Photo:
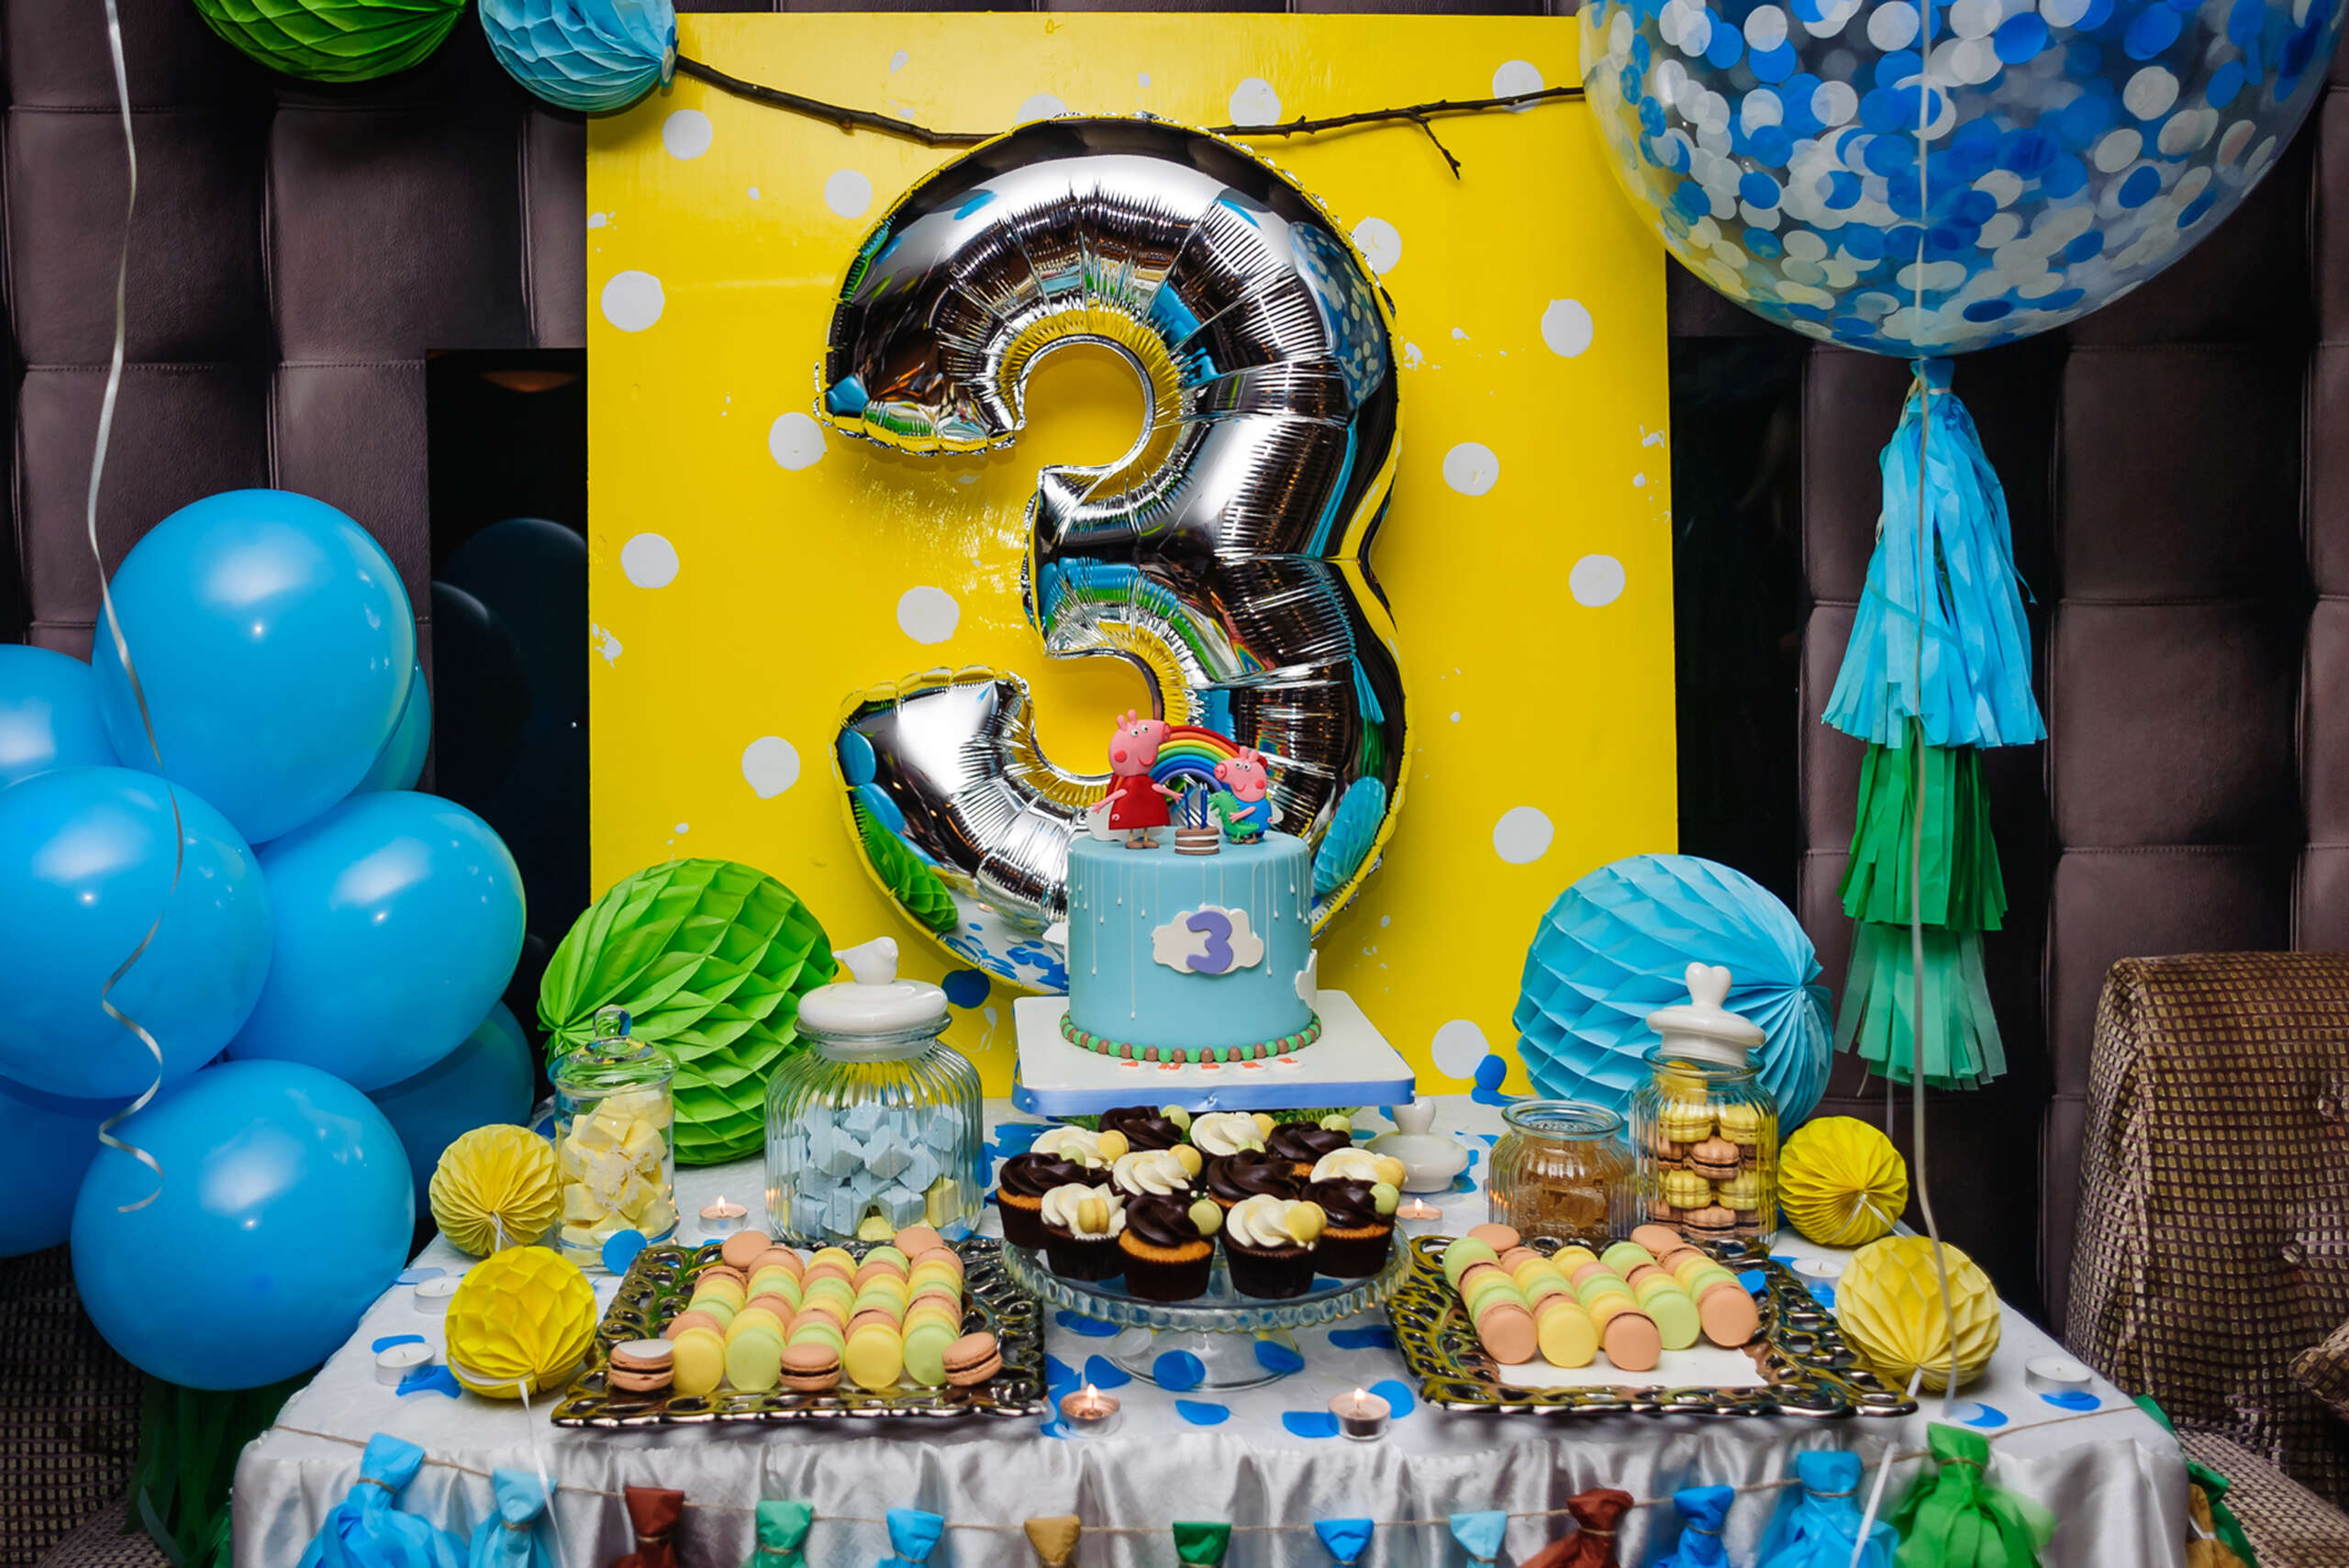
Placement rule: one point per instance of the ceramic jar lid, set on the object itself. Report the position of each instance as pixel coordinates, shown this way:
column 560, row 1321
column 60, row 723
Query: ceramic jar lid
column 876, row 1003
column 1702, row 1029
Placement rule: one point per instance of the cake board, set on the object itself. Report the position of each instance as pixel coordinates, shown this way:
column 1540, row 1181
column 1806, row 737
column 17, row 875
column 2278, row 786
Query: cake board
column 1351, row 1064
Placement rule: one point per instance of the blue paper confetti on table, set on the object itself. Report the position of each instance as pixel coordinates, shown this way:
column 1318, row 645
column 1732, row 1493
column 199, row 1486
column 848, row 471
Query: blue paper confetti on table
column 966, row 988
column 1273, row 1356
column 622, row 1249
column 417, row 1274
column 1179, row 1371
column 1753, row 1280
column 1077, row 1323
column 1463, row 1183
column 1103, row 1373
column 1491, row 1070
column 1055, row 1427
column 1362, row 1339
column 2073, row 1399
column 388, row 1341
column 1058, row 1374
column 1986, row 1416
column 1310, row 1423
column 430, row 1378
column 1822, row 1293
column 1015, row 1138
column 1203, row 1412
column 1394, row 1393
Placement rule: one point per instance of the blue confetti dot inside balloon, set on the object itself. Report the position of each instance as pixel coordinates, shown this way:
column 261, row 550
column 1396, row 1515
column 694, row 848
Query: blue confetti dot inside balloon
column 1178, row 1370
column 2020, row 38
column 1773, row 64
column 1310, row 1423
column 1362, row 1339
column 1091, row 1328
column 1273, row 1356
column 1058, row 1374
column 388, row 1341
column 2073, row 1399
column 1773, row 145
column 1396, row 1393
column 1986, row 1416
column 884, row 811
column 856, row 751
column 2226, row 84
column 2152, row 30
column 1988, row 309
column 622, row 1249
column 966, row 988
column 2141, row 187
column 1103, row 1373
column 1726, row 44
column 1203, row 1412
column 1758, row 190
column 2244, row 20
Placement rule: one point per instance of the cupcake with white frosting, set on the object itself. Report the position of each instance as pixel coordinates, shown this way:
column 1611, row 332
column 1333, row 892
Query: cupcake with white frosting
column 1269, row 1243
column 1081, row 1228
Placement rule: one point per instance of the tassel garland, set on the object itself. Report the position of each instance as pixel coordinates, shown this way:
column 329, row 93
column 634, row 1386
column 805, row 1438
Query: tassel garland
column 1819, row 1526
column 1954, row 1517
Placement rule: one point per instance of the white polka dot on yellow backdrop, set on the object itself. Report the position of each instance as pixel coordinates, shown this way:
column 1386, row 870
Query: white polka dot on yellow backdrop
column 752, row 569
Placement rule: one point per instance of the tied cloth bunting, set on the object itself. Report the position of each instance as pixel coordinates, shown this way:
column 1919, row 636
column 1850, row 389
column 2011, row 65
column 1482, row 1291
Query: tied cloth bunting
column 1480, row 1535
column 1054, row 1540
column 1818, row 1526
column 653, row 1514
column 509, row 1537
column 1954, row 1517
column 2219, row 1540
column 1703, row 1511
column 781, row 1539
column 367, row 1530
column 1938, row 666
column 1202, row 1544
column 913, row 1534
column 1597, row 1511
column 1346, row 1539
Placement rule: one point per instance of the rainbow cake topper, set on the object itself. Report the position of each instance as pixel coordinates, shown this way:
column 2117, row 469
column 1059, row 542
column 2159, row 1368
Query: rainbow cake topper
column 1187, row 751
column 1152, row 762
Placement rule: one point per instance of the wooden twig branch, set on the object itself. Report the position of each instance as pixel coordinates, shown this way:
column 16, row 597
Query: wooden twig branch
column 848, row 120
column 1417, row 114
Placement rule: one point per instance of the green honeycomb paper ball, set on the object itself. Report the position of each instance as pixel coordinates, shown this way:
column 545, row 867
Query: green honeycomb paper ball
column 711, row 959
column 334, row 41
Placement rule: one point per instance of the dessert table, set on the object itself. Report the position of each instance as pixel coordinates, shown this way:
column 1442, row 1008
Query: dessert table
column 2115, row 1480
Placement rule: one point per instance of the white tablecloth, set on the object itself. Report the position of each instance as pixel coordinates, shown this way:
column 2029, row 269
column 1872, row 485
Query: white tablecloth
column 2116, row 1481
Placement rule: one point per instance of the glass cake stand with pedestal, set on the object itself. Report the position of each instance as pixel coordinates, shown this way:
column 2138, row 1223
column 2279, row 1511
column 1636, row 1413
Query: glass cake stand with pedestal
column 1219, row 1329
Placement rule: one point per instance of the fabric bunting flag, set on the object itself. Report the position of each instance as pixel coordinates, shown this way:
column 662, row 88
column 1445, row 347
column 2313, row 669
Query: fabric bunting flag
column 1703, row 1511
column 1818, row 1524
column 366, row 1529
column 1596, row 1511
column 1954, row 1517
column 781, row 1540
column 1480, row 1535
column 1938, row 666
column 913, row 1534
column 509, row 1537
column 1202, row 1543
column 1054, row 1540
column 1346, row 1539
column 653, row 1514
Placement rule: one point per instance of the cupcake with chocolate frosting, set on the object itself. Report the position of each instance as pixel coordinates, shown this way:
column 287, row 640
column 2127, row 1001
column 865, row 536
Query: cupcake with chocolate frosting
column 1249, row 1173
column 1169, row 1246
column 1358, row 1192
column 1219, row 1134
column 1146, row 1128
column 1303, row 1142
column 1020, row 1189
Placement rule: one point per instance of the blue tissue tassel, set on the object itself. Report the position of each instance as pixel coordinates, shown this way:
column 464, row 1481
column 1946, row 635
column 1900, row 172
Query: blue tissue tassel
column 1938, row 665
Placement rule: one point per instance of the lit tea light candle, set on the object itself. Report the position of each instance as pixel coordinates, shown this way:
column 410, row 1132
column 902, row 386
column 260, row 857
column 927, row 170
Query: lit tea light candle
column 720, row 1219
column 1418, row 1210
column 1089, row 1412
column 1362, row 1415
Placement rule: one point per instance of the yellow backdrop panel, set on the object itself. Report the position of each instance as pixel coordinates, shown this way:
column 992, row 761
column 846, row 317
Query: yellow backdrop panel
column 750, row 571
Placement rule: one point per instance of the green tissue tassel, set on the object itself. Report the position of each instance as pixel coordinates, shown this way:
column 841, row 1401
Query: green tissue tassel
column 1961, row 895
column 1952, row 1516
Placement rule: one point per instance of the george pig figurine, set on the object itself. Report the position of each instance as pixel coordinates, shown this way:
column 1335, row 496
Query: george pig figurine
column 1243, row 802
column 1135, row 802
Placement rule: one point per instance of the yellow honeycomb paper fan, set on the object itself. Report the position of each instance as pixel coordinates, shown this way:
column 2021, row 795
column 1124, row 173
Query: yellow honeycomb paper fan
column 1889, row 1304
column 495, row 1187
column 1841, row 1181
column 521, row 1317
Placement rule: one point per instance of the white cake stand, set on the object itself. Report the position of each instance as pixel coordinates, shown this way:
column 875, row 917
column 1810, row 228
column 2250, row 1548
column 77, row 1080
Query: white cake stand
column 1222, row 1328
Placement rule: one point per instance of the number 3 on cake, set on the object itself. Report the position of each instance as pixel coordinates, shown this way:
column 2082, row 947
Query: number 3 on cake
column 1226, row 554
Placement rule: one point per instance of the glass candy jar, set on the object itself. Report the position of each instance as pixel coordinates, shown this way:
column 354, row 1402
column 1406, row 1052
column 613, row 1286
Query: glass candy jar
column 877, row 1125
column 1704, row 1130
column 615, row 1140
column 1562, row 1170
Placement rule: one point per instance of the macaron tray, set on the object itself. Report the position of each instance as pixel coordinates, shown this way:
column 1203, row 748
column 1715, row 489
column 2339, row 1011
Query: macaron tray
column 999, row 1323
column 1478, row 1324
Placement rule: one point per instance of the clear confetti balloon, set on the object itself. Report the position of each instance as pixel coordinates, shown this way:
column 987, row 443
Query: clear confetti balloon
column 1929, row 179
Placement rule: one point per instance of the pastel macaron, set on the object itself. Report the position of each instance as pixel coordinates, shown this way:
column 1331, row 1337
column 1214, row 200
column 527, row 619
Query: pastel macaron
column 693, row 1318
column 717, row 1307
column 1657, row 1239
column 1506, row 1330
column 972, row 1359
column 1631, row 1341
column 925, row 1351
column 1729, row 1317
column 931, row 1309
column 809, row 1367
column 1460, row 1255
column 818, row 1330
column 1566, row 1332
column 641, row 1366
column 742, row 1249
column 728, row 1289
column 875, row 1358
column 1625, row 1256
column 783, row 1258
column 697, row 1362
column 916, row 1239
column 754, row 1362
column 1567, row 1260
column 1499, row 1237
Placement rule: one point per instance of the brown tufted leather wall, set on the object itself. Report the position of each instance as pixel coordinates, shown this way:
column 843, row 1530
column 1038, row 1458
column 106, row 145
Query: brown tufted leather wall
column 2180, row 494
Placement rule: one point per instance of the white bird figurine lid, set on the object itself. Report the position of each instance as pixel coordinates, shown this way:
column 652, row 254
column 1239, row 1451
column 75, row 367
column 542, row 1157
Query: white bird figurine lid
column 876, row 1002
column 1701, row 1029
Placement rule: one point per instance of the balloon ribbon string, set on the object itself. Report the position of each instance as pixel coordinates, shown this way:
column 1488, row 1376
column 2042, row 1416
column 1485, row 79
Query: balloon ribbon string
column 849, row 119
column 114, row 630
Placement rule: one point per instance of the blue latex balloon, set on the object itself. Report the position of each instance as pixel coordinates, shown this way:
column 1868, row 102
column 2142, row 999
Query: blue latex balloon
column 1617, row 945
column 49, row 715
column 285, row 1209
column 401, row 761
column 2044, row 160
column 398, row 918
column 592, row 55
column 45, row 1145
column 274, row 643
column 487, row 1079
column 85, row 867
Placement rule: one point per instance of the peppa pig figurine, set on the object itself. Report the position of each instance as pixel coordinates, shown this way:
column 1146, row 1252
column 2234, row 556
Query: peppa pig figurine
column 1135, row 802
column 1243, row 803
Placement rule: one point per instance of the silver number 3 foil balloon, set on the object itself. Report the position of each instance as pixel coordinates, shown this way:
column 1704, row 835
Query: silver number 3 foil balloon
column 1226, row 554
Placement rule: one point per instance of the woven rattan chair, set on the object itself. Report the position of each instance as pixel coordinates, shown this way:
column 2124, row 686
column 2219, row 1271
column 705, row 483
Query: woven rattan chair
column 68, row 1424
column 2213, row 1245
